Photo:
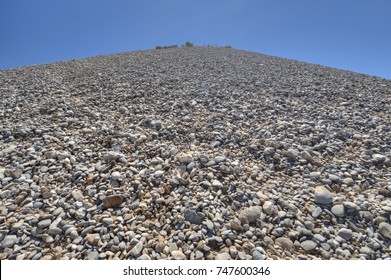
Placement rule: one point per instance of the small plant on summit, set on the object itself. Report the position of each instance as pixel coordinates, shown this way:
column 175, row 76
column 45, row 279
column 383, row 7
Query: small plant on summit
column 166, row 47
column 188, row 44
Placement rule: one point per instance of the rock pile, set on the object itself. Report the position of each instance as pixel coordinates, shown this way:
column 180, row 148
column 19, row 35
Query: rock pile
column 194, row 153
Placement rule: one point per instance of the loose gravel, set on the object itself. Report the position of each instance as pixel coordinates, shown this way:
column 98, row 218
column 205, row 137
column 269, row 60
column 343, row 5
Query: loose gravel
column 194, row 153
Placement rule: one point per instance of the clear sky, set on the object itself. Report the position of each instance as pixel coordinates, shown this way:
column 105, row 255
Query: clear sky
column 348, row 34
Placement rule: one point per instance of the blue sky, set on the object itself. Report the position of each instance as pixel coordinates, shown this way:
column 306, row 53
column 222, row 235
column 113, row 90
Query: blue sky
column 348, row 34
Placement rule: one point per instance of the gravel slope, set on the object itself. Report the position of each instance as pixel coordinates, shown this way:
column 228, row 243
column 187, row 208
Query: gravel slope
column 194, row 153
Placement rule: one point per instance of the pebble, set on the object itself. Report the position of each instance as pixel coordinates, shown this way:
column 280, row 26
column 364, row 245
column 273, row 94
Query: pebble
column 345, row 233
column 284, row 243
column 178, row 255
column 93, row 255
column 136, row 250
column 193, row 217
column 385, row 229
column 250, row 215
column 338, row 210
column 44, row 223
column 323, row 195
column 9, row 241
column 223, row 256
column 308, row 245
column 112, row 201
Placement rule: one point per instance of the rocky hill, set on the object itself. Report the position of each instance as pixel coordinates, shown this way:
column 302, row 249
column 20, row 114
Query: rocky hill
column 194, row 153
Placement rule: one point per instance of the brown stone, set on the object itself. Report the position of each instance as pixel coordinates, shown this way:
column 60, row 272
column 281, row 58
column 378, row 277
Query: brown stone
column 385, row 192
column 112, row 201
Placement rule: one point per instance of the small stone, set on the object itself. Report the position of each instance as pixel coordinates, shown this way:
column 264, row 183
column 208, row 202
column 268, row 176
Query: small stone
column 159, row 247
column 315, row 175
column 17, row 225
column 54, row 231
column 258, row 255
column 209, row 224
column 285, row 243
column 144, row 257
column 366, row 251
column 158, row 173
column 9, row 241
column 107, row 221
column 378, row 158
column 178, row 255
column 115, row 176
column 250, row 215
column 112, row 201
column 308, row 245
column 385, row 192
column 219, row 159
column 338, row 210
column 317, row 212
column 335, row 179
column 223, row 256
column 323, row 195
column 348, row 181
column 44, row 223
column 185, row 158
column 385, row 229
column 217, row 184
column 77, row 195
column 136, row 250
column 345, row 233
column 193, row 217
column 93, row 255
column 268, row 207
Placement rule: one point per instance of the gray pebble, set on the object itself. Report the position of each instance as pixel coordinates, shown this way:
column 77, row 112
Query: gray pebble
column 308, row 245
column 9, row 241
column 93, row 255
column 345, row 233
column 338, row 210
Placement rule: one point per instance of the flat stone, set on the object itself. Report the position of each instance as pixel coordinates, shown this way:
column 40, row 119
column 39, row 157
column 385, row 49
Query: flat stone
column 112, row 201
column 257, row 255
column 185, row 158
column 107, row 221
column 77, row 195
column 385, row 229
column 366, row 251
column 348, row 181
column 115, row 176
column 308, row 245
column 209, row 224
column 217, row 184
column 345, row 233
column 338, row 210
column 9, row 241
column 44, row 223
column 178, row 255
column 193, row 217
column 250, row 215
column 285, row 243
column 317, row 212
column 268, row 207
column 223, row 256
column 93, row 255
column 136, row 250
column 323, row 195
